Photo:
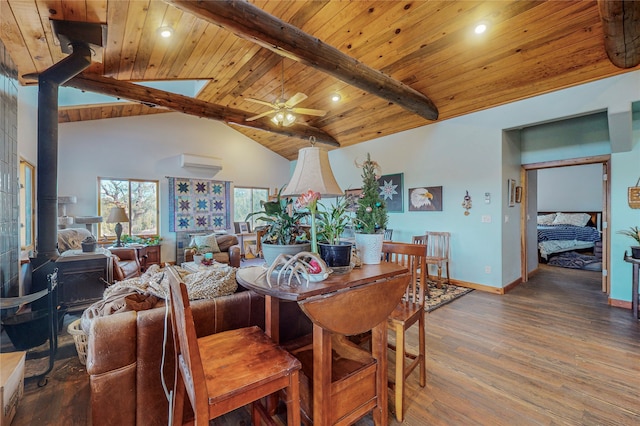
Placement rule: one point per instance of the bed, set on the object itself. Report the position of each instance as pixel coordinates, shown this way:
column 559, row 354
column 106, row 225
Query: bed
column 567, row 231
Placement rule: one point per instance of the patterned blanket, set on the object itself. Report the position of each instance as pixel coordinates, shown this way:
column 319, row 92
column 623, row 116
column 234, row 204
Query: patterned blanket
column 146, row 291
column 567, row 232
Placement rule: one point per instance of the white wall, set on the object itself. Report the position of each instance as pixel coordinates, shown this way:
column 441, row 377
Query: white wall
column 570, row 189
column 149, row 147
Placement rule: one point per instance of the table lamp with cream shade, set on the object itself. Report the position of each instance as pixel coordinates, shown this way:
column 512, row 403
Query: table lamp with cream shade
column 118, row 215
column 313, row 173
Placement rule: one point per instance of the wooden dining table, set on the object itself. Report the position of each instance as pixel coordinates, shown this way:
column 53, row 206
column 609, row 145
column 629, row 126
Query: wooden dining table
column 342, row 305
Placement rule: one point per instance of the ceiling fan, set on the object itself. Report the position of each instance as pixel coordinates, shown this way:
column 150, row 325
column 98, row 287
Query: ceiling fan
column 284, row 111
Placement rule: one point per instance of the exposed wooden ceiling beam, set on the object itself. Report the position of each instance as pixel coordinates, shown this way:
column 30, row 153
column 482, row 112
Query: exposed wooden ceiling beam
column 621, row 27
column 187, row 105
column 253, row 24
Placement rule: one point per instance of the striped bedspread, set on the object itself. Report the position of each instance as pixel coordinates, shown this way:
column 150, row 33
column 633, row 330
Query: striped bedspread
column 567, row 232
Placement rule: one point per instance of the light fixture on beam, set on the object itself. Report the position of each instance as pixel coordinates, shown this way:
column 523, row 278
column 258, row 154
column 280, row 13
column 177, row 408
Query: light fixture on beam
column 313, row 172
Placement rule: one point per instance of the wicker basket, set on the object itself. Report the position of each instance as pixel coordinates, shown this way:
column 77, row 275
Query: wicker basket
column 634, row 196
column 80, row 338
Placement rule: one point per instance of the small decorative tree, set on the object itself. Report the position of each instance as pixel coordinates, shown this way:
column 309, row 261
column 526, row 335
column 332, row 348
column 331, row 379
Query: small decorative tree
column 371, row 215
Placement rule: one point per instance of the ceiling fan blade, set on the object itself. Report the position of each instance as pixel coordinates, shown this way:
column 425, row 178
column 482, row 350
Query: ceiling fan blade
column 307, row 111
column 255, row 117
column 295, row 100
column 258, row 101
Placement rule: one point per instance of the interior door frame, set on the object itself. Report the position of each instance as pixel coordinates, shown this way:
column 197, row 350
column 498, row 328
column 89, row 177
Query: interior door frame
column 605, row 160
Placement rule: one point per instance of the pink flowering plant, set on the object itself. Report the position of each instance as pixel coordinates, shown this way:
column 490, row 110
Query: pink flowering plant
column 309, row 201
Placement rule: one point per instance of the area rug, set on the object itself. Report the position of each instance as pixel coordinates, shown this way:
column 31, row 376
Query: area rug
column 441, row 296
column 574, row 260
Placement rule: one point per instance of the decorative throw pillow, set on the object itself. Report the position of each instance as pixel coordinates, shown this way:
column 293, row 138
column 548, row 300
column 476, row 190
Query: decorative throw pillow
column 207, row 240
column 575, row 219
column 546, row 219
column 226, row 241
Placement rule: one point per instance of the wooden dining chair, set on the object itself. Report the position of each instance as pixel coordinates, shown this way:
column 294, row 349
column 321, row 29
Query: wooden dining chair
column 422, row 240
column 409, row 311
column 438, row 251
column 225, row 371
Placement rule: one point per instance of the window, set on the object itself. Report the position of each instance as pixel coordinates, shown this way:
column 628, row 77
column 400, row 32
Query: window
column 247, row 200
column 140, row 201
column 27, row 205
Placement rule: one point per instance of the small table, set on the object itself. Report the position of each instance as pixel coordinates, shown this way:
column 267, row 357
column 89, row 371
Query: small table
column 193, row 267
column 635, row 297
column 344, row 304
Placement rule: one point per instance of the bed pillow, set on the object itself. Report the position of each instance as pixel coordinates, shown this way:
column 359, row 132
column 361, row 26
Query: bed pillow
column 575, row 219
column 546, row 219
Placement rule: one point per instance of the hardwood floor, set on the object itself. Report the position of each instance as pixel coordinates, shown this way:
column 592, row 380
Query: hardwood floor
column 549, row 352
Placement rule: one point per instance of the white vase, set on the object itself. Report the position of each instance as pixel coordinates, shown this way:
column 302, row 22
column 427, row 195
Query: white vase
column 369, row 247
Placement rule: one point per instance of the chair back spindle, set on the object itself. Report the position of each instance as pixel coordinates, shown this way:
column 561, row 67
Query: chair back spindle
column 437, row 251
column 411, row 256
column 409, row 311
column 203, row 368
column 186, row 341
column 438, row 245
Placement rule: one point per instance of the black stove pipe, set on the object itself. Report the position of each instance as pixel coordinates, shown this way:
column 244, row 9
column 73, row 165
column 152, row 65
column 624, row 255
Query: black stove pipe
column 47, row 180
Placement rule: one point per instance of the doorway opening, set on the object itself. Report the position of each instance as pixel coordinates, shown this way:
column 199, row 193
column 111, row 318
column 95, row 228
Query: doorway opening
column 529, row 213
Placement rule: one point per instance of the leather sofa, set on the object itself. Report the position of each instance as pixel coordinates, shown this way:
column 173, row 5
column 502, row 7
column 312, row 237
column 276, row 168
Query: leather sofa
column 125, row 350
column 229, row 250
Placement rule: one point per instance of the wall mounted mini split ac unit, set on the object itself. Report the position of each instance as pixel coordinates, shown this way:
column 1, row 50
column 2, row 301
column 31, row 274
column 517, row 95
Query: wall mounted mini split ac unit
column 201, row 162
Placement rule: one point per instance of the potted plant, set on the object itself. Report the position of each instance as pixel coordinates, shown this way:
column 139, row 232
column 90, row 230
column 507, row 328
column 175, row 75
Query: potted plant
column 331, row 224
column 633, row 232
column 371, row 216
column 285, row 232
column 199, row 252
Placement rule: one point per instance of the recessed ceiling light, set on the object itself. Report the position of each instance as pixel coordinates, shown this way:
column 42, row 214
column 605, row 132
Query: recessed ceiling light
column 480, row 28
column 335, row 97
column 165, row 32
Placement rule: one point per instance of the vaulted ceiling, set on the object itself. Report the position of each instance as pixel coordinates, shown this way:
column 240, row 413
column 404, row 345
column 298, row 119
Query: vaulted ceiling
column 396, row 64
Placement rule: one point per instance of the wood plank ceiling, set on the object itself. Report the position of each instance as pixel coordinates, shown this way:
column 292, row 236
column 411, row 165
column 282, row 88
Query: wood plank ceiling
column 530, row 47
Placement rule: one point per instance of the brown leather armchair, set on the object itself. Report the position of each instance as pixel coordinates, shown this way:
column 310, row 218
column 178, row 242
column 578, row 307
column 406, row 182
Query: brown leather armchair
column 125, row 263
column 229, row 251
